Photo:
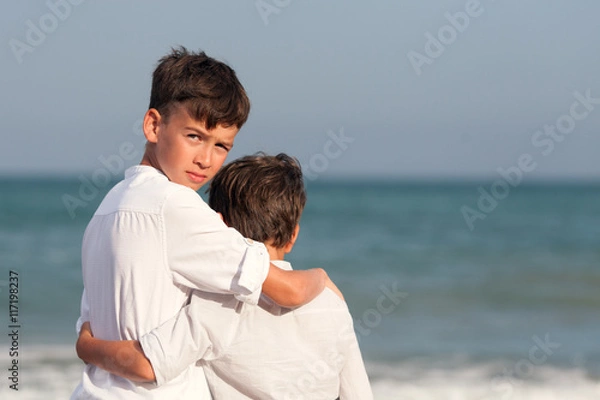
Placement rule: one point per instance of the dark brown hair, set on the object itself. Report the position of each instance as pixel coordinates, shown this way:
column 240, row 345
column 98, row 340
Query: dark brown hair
column 261, row 196
column 207, row 88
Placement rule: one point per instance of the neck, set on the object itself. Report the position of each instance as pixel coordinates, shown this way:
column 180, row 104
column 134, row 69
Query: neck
column 275, row 254
column 149, row 159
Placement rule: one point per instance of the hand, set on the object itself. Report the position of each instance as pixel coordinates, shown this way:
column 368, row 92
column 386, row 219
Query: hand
column 329, row 283
column 84, row 334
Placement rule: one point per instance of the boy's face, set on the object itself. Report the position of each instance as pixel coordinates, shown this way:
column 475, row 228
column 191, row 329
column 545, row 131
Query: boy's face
column 183, row 149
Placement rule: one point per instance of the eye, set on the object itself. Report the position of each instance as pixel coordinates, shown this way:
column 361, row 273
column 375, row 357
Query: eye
column 222, row 146
column 193, row 136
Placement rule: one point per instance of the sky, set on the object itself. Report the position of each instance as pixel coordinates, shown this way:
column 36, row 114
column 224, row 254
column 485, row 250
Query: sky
column 353, row 89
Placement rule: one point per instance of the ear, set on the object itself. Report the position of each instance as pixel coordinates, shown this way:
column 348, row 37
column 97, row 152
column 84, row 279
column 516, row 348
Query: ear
column 151, row 125
column 288, row 247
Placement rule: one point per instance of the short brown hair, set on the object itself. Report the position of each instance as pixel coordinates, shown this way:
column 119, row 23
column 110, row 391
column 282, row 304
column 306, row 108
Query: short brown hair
column 207, row 88
column 261, row 196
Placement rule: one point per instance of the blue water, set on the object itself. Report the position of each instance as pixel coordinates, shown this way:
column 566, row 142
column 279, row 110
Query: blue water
column 469, row 298
column 531, row 267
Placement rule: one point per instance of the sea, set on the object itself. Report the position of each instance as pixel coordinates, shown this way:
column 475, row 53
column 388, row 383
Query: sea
column 459, row 290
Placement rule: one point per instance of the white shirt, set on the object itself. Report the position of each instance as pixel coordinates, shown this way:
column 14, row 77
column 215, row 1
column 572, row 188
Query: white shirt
column 149, row 243
column 264, row 352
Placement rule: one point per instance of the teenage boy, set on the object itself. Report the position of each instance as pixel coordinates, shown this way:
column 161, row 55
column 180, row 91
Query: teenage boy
column 249, row 352
column 153, row 240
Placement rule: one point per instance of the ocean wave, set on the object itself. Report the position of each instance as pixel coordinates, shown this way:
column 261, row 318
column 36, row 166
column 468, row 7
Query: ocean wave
column 45, row 372
column 484, row 381
column 52, row 372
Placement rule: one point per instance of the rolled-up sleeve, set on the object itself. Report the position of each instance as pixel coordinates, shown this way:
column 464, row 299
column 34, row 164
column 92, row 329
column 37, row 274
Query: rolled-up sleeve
column 203, row 253
column 84, row 315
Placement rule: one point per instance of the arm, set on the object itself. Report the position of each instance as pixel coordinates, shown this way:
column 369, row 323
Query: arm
column 201, row 330
column 204, row 254
column 294, row 288
column 120, row 357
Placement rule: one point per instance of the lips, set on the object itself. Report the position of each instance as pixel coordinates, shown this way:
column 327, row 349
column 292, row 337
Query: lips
column 196, row 178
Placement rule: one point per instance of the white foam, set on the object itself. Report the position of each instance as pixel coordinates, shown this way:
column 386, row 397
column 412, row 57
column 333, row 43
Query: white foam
column 45, row 372
column 52, row 372
column 479, row 382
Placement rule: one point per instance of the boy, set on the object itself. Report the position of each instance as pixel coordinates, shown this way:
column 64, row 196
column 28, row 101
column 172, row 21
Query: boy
column 248, row 352
column 153, row 240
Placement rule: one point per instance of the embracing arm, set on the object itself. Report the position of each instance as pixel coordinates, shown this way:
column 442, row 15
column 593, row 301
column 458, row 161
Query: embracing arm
column 165, row 352
column 204, row 254
column 124, row 358
column 294, row 288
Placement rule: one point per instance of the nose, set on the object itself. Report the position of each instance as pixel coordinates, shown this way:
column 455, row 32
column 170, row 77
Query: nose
column 203, row 157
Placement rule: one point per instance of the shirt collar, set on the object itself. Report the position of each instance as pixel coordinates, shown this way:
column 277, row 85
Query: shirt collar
column 282, row 264
column 138, row 169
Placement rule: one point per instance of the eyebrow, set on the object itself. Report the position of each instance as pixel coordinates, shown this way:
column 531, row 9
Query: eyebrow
column 195, row 129
column 205, row 132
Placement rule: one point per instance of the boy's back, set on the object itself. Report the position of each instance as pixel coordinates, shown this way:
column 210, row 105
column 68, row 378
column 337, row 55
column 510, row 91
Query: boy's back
column 128, row 287
column 123, row 256
column 264, row 352
column 142, row 251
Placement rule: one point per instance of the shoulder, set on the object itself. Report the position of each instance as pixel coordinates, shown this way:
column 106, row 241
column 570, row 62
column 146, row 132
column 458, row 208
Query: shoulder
column 144, row 189
column 176, row 196
column 183, row 207
column 328, row 302
column 326, row 317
